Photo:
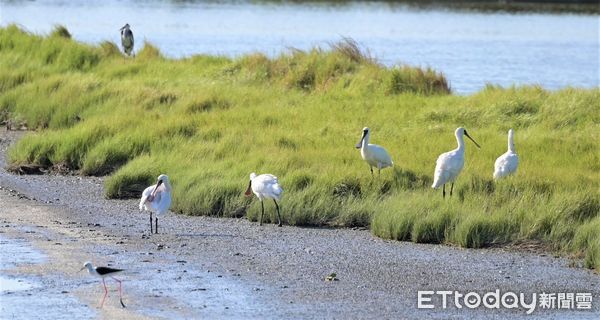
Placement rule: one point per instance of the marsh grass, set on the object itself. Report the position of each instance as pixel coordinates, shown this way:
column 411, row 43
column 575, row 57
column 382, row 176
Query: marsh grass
column 417, row 80
column 209, row 121
column 60, row 31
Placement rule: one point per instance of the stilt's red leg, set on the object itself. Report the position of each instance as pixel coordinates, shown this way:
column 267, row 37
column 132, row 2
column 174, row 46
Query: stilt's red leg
column 105, row 293
column 120, row 291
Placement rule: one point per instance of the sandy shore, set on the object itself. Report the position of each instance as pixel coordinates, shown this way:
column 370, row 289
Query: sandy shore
column 202, row 267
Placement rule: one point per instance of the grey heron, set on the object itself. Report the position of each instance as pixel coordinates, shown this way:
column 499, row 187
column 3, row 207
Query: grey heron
column 127, row 39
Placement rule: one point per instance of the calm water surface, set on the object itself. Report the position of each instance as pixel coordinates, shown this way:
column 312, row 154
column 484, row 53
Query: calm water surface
column 471, row 48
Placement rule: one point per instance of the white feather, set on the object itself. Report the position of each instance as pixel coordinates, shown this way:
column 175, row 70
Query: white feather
column 375, row 156
column 447, row 167
column 162, row 197
column 508, row 162
column 449, row 164
column 266, row 186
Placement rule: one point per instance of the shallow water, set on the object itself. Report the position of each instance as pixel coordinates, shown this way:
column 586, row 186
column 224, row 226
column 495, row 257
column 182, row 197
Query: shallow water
column 165, row 286
column 177, row 292
column 471, row 48
column 11, row 285
column 28, row 297
column 16, row 252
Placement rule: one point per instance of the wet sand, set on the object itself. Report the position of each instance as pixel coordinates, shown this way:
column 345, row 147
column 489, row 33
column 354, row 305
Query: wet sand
column 202, row 267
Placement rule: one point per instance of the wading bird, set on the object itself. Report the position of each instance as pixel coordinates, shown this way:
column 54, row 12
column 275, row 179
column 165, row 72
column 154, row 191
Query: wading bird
column 104, row 272
column 265, row 186
column 449, row 164
column 507, row 163
column 374, row 155
column 127, row 39
column 157, row 198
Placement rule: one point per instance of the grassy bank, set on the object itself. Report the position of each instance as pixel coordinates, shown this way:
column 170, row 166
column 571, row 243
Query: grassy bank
column 209, row 121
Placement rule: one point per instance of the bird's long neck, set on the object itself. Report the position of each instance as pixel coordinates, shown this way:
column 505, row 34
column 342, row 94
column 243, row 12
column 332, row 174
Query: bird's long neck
column 511, row 142
column 91, row 269
column 366, row 141
column 461, row 142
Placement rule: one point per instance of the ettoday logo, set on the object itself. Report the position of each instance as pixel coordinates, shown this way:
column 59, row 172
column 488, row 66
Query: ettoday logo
column 506, row 300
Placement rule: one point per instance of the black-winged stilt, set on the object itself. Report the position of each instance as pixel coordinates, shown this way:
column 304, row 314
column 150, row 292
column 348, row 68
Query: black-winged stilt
column 104, row 272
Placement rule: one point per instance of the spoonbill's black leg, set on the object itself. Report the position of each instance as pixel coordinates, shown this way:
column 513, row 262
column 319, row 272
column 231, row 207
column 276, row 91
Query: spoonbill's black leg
column 451, row 187
column 444, row 191
column 262, row 207
column 278, row 215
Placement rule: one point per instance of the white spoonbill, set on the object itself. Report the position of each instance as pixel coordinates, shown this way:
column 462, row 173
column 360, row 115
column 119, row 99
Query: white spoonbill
column 449, row 164
column 374, row 155
column 157, row 198
column 265, row 186
column 507, row 163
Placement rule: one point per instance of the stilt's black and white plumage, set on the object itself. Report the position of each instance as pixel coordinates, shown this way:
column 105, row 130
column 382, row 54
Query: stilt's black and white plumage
column 104, row 272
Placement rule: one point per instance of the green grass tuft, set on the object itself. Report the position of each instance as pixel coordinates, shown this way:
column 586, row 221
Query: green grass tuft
column 109, row 49
column 149, row 52
column 407, row 79
column 433, row 226
column 61, row 32
column 480, row 230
